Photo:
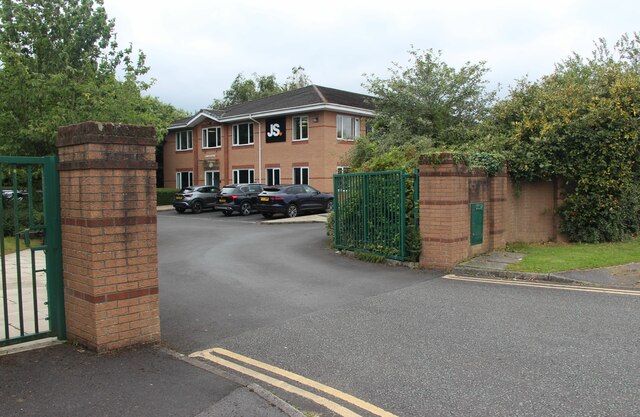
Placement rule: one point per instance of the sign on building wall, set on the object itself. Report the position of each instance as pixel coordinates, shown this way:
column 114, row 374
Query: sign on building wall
column 276, row 130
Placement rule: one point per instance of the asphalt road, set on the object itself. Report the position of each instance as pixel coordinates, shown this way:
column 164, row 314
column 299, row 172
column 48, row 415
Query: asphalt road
column 223, row 276
column 407, row 341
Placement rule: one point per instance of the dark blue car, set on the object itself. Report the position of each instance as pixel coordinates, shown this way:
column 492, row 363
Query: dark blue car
column 291, row 200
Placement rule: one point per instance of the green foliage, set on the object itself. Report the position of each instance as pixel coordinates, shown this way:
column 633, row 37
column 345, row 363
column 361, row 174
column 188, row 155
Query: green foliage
column 429, row 101
column 243, row 90
column 330, row 227
column 59, row 65
column 165, row 196
column 9, row 219
column 369, row 257
column 580, row 123
column 425, row 106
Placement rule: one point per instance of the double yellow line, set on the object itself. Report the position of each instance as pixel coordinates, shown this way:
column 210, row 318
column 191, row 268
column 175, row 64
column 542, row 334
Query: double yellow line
column 221, row 357
column 499, row 281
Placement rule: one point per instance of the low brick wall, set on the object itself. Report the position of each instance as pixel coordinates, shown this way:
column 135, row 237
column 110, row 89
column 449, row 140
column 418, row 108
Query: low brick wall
column 512, row 213
column 109, row 234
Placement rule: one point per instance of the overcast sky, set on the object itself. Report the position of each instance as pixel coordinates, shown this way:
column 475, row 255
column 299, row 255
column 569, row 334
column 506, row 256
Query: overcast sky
column 195, row 48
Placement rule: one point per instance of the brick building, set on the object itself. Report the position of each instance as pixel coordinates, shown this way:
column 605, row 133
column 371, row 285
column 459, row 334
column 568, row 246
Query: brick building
column 299, row 136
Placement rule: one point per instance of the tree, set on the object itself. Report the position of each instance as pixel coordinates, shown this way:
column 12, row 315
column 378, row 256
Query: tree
column 60, row 64
column 243, row 90
column 581, row 123
column 425, row 105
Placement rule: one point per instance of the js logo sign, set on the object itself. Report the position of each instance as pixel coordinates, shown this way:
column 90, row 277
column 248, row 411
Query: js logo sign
column 276, row 130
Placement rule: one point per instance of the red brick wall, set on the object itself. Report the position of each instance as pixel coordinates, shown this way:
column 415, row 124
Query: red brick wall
column 109, row 249
column 523, row 213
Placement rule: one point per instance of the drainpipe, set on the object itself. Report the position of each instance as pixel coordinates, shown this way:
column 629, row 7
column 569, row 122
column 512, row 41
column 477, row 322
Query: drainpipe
column 259, row 148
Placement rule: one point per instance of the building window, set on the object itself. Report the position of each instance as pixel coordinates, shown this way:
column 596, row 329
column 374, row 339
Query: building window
column 301, row 175
column 301, row 128
column 211, row 137
column 347, row 127
column 273, row 176
column 242, row 134
column 184, row 179
column 343, row 170
column 184, row 140
column 243, row 176
column 212, row 178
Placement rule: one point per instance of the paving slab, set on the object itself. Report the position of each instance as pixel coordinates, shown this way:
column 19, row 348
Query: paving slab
column 626, row 276
column 250, row 401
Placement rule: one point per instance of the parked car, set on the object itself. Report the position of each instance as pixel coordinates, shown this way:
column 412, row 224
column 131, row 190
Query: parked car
column 239, row 197
column 291, row 200
column 196, row 198
column 7, row 194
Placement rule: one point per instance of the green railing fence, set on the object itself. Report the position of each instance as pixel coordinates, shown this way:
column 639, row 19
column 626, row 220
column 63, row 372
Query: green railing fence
column 377, row 213
column 31, row 250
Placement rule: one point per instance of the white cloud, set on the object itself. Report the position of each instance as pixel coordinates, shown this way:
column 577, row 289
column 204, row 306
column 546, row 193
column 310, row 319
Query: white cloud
column 195, row 48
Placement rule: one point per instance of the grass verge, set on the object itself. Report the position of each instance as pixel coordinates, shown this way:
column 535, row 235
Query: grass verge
column 551, row 257
column 10, row 244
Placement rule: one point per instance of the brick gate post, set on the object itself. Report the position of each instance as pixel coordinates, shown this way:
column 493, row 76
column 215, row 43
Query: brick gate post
column 109, row 234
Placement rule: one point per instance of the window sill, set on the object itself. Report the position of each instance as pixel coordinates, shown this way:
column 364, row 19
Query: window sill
column 184, row 150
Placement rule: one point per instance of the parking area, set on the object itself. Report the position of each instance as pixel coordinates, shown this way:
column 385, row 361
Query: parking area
column 223, row 276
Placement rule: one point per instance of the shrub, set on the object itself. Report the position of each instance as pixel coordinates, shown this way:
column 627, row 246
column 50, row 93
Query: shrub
column 165, row 196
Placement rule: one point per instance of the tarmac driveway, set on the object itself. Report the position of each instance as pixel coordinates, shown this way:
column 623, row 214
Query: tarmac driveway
column 223, row 276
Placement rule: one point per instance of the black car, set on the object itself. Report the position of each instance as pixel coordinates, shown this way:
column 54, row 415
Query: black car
column 196, row 198
column 238, row 197
column 293, row 199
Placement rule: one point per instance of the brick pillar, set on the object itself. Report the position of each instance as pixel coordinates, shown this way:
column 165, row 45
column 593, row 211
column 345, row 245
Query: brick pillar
column 444, row 214
column 109, row 234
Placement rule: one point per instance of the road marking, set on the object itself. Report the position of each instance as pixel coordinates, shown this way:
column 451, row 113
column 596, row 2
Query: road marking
column 543, row 285
column 337, row 408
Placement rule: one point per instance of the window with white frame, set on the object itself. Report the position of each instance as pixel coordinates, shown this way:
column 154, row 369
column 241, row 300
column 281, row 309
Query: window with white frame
column 184, row 140
column 211, row 137
column 301, row 128
column 301, row 175
column 343, row 170
column 243, row 176
column 212, row 178
column 273, row 176
column 184, row 179
column 347, row 127
column 242, row 134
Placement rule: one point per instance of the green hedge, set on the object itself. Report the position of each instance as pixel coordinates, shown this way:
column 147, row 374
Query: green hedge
column 165, row 196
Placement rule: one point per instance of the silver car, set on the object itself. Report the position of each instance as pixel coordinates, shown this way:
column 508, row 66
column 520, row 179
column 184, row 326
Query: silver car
column 196, row 198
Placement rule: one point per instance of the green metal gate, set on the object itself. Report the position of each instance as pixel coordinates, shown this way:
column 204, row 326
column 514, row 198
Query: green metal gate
column 377, row 213
column 31, row 249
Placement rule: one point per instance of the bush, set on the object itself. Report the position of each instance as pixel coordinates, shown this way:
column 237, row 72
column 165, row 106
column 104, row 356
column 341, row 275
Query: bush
column 595, row 218
column 23, row 214
column 165, row 196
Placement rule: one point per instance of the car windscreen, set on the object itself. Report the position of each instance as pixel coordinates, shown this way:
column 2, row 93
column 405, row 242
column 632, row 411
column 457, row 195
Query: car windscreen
column 187, row 190
column 228, row 190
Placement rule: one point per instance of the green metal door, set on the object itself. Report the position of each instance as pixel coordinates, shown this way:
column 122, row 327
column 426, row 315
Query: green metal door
column 375, row 212
column 477, row 223
column 31, row 249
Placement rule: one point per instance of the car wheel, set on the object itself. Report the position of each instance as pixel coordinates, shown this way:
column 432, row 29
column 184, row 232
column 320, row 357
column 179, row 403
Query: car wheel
column 180, row 210
column 227, row 212
column 245, row 208
column 292, row 210
column 197, row 207
column 328, row 207
column 267, row 215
